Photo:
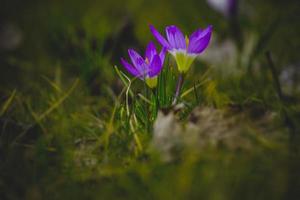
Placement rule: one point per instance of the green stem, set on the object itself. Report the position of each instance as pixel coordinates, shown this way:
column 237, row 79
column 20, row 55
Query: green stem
column 178, row 88
column 147, row 108
column 155, row 94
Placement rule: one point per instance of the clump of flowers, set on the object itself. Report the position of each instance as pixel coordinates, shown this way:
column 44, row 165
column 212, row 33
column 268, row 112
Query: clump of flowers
column 184, row 49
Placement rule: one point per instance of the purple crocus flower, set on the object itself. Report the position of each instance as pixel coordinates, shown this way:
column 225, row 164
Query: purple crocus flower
column 147, row 68
column 184, row 49
column 226, row 7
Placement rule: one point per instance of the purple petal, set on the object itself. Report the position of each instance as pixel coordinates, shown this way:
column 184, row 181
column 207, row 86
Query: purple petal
column 175, row 37
column 130, row 68
column 150, row 51
column 162, row 55
column 138, row 61
column 155, row 66
column 199, row 40
column 159, row 37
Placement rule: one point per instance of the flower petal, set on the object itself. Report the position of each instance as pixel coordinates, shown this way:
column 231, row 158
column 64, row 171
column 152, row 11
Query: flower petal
column 175, row 37
column 162, row 55
column 199, row 40
column 159, row 37
column 130, row 68
column 150, row 51
column 138, row 61
column 155, row 66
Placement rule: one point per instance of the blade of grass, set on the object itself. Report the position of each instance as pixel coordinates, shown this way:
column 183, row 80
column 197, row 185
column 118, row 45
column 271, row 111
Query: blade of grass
column 202, row 81
column 188, row 91
column 8, row 102
column 145, row 99
column 53, row 84
column 125, row 79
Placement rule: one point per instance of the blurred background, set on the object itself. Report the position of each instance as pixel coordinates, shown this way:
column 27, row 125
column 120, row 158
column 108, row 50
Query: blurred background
column 46, row 46
column 36, row 36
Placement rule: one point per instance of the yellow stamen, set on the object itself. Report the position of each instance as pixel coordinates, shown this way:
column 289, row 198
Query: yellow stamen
column 187, row 40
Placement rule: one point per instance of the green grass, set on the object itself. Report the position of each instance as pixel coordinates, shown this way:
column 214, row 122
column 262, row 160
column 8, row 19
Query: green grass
column 76, row 146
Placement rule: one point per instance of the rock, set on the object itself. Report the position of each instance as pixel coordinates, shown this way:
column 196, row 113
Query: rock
column 208, row 127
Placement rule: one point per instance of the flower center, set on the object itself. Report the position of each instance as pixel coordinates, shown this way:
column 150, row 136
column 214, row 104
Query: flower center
column 187, row 40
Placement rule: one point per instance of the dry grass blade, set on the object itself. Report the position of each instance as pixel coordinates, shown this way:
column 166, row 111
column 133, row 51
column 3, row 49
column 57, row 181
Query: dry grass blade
column 8, row 102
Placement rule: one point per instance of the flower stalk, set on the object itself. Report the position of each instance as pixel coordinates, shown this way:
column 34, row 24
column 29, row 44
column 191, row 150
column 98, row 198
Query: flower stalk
column 178, row 88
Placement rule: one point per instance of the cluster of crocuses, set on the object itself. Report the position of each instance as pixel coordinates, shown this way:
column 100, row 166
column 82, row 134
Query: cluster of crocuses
column 183, row 48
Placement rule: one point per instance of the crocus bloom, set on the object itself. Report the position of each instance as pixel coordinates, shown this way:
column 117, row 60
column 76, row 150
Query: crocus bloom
column 226, row 7
column 147, row 68
column 184, row 49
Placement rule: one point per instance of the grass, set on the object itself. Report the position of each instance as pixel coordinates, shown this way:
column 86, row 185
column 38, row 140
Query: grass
column 99, row 151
